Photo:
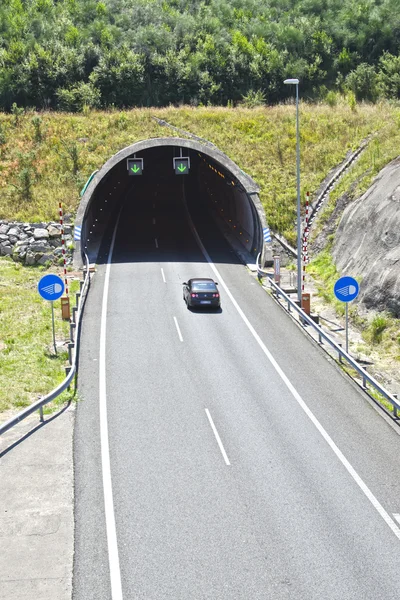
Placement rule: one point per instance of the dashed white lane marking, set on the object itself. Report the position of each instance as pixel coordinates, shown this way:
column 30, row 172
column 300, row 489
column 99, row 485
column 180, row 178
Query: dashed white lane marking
column 350, row 469
column 113, row 558
column 154, row 220
column 163, row 276
column 156, row 242
column 221, row 447
column 178, row 330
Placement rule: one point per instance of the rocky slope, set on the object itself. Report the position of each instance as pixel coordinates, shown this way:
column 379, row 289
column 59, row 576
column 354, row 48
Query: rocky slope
column 35, row 243
column 367, row 242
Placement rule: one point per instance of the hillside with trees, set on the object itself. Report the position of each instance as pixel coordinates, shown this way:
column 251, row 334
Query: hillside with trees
column 68, row 54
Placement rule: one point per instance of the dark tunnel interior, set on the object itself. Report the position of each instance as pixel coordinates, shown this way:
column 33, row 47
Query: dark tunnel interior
column 219, row 207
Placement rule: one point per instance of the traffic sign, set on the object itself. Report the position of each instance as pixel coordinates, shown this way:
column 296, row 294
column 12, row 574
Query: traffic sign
column 346, row 289
column 134, row 166
column 51, row 287
column 182, row 165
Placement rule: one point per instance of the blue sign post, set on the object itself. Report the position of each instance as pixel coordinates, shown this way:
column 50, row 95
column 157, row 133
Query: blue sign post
column 51, row 287
column 346, row 289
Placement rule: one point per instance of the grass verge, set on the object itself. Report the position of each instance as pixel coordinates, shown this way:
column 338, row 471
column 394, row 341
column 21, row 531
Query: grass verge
column 29, row 367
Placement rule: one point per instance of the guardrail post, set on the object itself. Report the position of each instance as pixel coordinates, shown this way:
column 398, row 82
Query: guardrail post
column 81, row 282
column 319, row 338
column 70, row 346
column 72, row 327
column 364, row 383
column 395, row 413
column 74, row 310
column 67, row 370
column 77, row 296
column 41, row 414
column 340, row 356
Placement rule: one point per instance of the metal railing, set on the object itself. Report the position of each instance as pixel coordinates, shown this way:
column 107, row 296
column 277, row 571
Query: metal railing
column 305, row 319
column 73, row 348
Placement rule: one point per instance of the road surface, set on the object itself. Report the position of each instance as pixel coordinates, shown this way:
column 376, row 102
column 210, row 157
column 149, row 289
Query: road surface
column 237, row 461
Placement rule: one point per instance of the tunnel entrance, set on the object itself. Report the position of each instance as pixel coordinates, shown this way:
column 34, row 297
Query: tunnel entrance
column 208, row 181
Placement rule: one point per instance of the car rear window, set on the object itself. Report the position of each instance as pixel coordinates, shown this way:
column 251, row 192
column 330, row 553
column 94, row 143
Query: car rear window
column 204, row 286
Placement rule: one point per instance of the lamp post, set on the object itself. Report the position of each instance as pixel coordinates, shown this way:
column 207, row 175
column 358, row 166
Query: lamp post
column 296, row 83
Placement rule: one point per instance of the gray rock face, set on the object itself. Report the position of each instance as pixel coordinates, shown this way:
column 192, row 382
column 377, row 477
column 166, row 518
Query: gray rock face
column 367, row 242
column 39, row 246
column 40, row 234
column 46, row 258
column 5, row 249
column 14, row 232
column 54, row 231
column 30, row 258
column 4, row 228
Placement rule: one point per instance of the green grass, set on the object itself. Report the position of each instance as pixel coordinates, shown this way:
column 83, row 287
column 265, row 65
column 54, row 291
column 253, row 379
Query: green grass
column 28, row 367
column 262, row 141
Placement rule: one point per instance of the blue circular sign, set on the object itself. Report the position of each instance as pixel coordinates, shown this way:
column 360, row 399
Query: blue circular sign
column 51, row 287
column 346, row 289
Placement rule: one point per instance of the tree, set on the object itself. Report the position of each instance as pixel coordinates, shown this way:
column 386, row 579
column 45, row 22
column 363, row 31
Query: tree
column 388, row 77
column 363, row 82
column 119, row 78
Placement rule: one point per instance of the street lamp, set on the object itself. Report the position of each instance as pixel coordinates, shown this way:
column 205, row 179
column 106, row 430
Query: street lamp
column 296, row 83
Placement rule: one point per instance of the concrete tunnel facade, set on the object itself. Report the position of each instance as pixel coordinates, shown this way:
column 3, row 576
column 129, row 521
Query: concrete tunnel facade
column 236, row 205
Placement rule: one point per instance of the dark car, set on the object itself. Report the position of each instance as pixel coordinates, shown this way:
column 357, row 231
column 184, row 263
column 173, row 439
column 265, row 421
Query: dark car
column 201, row 292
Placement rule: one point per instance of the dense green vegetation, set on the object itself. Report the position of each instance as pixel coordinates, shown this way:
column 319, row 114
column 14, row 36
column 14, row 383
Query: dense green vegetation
column 67, row 54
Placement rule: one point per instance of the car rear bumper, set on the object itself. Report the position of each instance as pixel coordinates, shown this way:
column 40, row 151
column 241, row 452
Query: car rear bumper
column 193, row 302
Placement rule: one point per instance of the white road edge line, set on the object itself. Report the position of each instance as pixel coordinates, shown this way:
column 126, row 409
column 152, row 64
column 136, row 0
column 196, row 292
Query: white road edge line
column 178, row 330
column 113, row 558
column 221, row 447
column 350, row 469
column 163, row 276
column 156, row 241
column 397, row 517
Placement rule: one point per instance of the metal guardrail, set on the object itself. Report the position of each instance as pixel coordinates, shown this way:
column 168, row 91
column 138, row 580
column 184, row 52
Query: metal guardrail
column 73, row 348
column 342, row 355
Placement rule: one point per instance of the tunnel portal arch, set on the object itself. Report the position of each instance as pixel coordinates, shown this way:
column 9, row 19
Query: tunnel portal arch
column 103, row 184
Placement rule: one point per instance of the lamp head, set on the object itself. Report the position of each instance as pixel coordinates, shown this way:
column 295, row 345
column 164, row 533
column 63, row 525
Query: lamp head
column 293, row 81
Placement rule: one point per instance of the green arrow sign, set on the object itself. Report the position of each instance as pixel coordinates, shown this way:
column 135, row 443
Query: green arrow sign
column 135, row 166
column 182, row 165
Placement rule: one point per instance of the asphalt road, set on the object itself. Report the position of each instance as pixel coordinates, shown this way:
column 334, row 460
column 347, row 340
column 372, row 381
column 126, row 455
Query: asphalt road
column 233, row 476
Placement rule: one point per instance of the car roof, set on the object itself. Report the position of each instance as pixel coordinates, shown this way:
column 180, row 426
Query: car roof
column 199, row 279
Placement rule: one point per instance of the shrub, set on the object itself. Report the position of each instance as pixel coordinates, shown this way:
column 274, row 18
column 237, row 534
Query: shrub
column 331, row 99
column 253, row 98
column 377, row 327
column 37, row 124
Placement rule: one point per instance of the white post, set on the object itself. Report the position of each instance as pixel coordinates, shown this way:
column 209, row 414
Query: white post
column 299, row 240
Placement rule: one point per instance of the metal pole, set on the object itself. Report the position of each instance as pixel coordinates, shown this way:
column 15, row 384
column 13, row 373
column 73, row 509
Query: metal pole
column 347, row 328
column 54, row 333
column 298, row 197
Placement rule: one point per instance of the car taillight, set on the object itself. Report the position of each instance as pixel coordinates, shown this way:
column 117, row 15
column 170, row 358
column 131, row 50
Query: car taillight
column 194, row 295
column 215, row 295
